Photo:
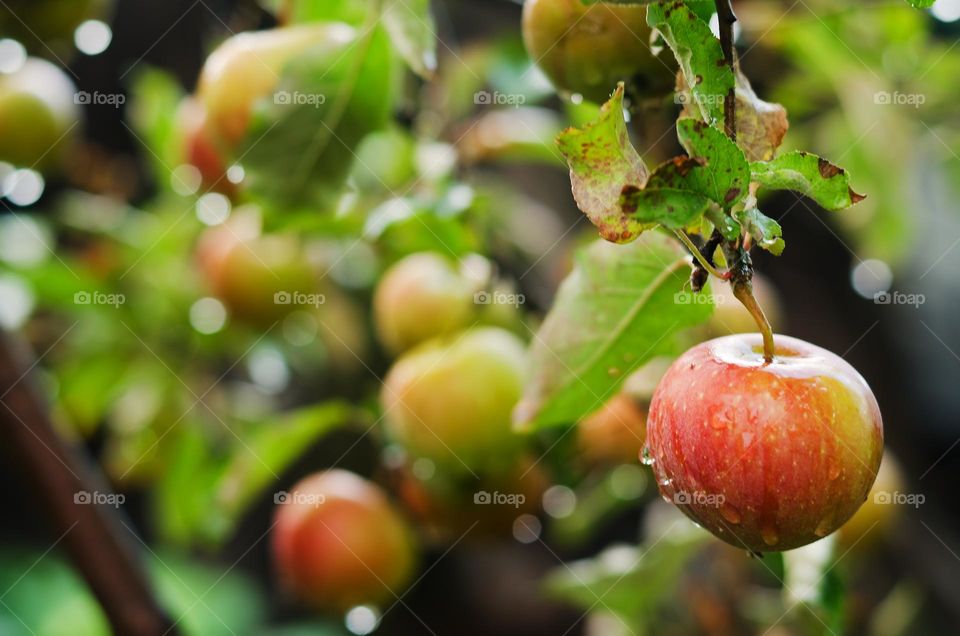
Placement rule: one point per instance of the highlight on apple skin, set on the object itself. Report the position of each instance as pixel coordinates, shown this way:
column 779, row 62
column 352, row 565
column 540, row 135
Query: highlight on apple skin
column 765, row 456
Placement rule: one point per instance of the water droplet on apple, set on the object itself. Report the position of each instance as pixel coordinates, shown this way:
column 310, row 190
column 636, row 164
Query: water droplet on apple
column 731, row 514
column 665, row 482
column 646, row 457
column 769, row 534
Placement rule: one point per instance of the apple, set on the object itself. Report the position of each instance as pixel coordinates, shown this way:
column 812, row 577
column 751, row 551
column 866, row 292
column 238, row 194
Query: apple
column 449, row 400
column 199, row 149
column 247, row 68
column 425, row 295
column 614, row 433
column 338, row 542
column 38, row 115
column 588, row 49
column 766, row 456
column 259, row 278
column 730, row 316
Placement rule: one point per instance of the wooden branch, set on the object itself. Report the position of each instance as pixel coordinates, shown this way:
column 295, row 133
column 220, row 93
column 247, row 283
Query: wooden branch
column 58, row 476
column 727, row 18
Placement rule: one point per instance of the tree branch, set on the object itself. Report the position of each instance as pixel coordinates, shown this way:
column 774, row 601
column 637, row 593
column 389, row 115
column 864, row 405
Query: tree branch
column 727, row 18
column 58, row 475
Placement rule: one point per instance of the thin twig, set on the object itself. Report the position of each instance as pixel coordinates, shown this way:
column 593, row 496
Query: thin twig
column 727, row 18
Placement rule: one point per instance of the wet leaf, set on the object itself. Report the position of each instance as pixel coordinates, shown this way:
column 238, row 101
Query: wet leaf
column 413, row 33
column 765, row 231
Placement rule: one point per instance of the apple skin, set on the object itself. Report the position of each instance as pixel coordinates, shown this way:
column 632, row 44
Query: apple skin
column 767, row 457
column 449, row 400
column 247, row 67
column 246, row 270
column 198, row 147
column 352, row 548
column 587, row 50
column 424, row 295
column 38, row 116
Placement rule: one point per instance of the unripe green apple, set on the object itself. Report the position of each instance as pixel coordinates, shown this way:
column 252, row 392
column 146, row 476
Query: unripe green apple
column 766, row 456
column 338, row 542
column 588, row 49
column 247, row 68
column 38, row 116
column 450, row 400
column 259, row 278
column 424, row 295
column 730, row 316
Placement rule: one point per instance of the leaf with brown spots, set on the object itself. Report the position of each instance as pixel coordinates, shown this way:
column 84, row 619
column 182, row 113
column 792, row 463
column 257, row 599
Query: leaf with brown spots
column 761, row 126
column 810, row 175
column 602, row 163
column 725, row 175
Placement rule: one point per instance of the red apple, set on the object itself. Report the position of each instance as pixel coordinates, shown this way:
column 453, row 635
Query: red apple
column 765, row 456
column 338, row 542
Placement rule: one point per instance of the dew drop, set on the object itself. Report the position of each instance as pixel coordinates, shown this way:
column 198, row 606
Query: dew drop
column 731, row 514
column 665, row 483
column 769, row 534
column 646, row 457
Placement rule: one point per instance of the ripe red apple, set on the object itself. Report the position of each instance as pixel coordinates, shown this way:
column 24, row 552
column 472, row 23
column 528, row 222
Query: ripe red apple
column 765, row 456
column 449, row 400
column 199, row 149
column 338, row 542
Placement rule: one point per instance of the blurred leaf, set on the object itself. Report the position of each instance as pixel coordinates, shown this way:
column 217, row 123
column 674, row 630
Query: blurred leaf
column 602, row 163
column 765, row 231
column 631, row 581
column 265, row 453
column 153, row 111
column 808, row 174
column 615, row 311
column 698, row 54
column 921, row 4
column 301, row 11
column 298, row 154
column 413, row 33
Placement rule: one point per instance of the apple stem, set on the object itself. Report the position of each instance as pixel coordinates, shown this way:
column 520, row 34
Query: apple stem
column 743, row 290
column 701, row 259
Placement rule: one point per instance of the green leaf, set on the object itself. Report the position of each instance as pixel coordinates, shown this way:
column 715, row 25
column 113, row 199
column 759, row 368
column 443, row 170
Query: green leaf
column 725, row 176
column 810, row 175
column 615, row 311
column 602, row 163
column 671, row 207
column 921, row 4
column 414, row 34
column 765, row 231
column 728, row 227
column 299, row 153
column 698, row 53
column 153, row 110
